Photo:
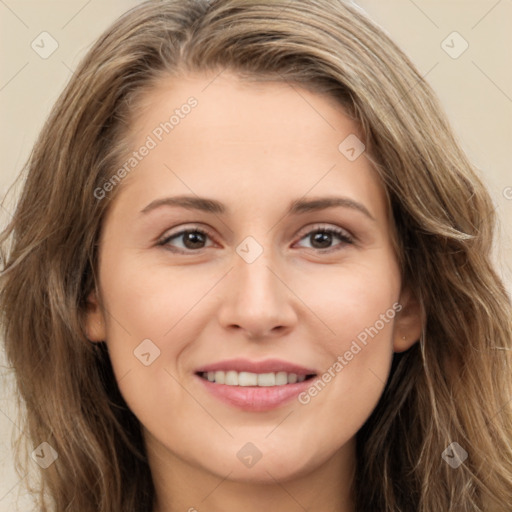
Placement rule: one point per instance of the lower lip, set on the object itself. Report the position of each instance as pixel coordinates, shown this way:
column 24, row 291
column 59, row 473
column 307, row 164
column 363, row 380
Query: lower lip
column 256, row 398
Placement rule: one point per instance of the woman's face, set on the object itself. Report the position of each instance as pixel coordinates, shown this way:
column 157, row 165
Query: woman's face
column 292, row 274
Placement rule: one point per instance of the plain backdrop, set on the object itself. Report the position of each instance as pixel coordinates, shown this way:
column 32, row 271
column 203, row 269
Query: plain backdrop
column 474, row 85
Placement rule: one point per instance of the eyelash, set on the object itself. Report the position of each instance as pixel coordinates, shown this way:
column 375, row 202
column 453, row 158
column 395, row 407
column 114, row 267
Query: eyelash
column 342, row 234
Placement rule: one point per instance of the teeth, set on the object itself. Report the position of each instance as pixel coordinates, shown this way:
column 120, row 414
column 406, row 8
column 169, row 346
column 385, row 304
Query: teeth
column 281, row 378
column 267, row 379
column 247, row 379
column 232, row 378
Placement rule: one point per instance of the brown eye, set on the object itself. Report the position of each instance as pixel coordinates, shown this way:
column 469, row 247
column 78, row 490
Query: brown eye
column 322, row 238
column 191, row 240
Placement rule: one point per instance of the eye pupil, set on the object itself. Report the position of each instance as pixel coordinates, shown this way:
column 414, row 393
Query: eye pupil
column 192, row 238
column 323, row 238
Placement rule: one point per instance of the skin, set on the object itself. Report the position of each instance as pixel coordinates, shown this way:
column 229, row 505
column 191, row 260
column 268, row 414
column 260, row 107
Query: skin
column 255, row 147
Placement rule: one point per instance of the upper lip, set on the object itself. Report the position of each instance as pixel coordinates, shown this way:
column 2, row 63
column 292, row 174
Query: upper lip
column 266, row 366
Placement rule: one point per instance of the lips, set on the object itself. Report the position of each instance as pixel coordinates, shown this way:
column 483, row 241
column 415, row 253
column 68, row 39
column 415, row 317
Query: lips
column 255, row 386
column 267, row 366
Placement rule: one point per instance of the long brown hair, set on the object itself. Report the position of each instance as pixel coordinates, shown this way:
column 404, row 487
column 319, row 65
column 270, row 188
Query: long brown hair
column 454, row 385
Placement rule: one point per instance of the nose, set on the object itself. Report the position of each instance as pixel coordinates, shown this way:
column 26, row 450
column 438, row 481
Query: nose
column 257, row 299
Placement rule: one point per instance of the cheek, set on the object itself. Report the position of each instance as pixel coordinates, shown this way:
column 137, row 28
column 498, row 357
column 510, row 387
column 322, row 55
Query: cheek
column 153, row 318
column 359, row 306
column 152, row 302
column 354, row 299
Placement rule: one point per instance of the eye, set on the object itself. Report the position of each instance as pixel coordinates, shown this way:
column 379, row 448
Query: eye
column 322, row 237
column 191, row 240
column 194, row 239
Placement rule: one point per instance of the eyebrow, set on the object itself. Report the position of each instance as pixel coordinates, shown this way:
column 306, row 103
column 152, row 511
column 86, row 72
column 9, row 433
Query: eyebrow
column 296, row 207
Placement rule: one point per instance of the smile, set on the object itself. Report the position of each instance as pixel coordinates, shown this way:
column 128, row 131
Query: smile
column 234, row 378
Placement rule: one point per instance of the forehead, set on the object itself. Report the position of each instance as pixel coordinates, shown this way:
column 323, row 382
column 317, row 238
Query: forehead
column 256, row 144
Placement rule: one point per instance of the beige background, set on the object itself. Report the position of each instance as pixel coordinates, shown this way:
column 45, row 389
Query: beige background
column 475, row 89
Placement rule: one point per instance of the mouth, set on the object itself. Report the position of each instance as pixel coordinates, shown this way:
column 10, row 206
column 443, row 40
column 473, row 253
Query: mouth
column 255, row 386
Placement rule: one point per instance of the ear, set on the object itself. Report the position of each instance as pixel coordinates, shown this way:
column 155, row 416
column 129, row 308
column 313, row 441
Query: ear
column 94, row 320
column 408, row 322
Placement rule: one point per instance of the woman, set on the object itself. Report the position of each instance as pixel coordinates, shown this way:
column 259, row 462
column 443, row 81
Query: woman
column 177, row 345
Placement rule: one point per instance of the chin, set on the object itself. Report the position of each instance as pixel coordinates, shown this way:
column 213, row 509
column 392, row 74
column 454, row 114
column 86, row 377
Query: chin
column 266, row 465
